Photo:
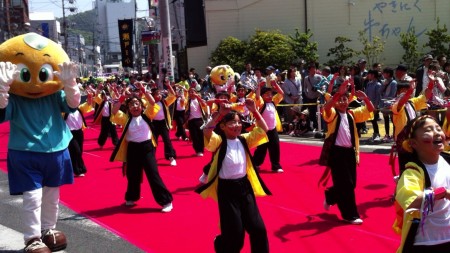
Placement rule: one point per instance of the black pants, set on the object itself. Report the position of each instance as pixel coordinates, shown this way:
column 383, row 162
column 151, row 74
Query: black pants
column 274, row 151
column 312, row 111
column 178, row 116
column 440, row 248
column 196, row 134
column 76, row 152
column 342, row 162
column 160, row 128
column 239, row 213
column 387, row 120
column 142, row 156
column 376, row 116
column 107, row 128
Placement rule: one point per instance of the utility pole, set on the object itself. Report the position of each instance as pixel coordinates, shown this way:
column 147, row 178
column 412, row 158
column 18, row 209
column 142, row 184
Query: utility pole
column 64, row 26
column 94, row 49
column 166, row 42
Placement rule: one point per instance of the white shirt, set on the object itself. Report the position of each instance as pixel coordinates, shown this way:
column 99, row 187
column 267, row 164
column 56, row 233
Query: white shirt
column 74, row 121
column 179, row 107
column 138, row 130
column 234, row 164
column 410, row 111
column 160, row 114
column 425, row 78
column 105, row 110
column 269, row 116
column 436, row 228
column 195, row 110
column 343, row 138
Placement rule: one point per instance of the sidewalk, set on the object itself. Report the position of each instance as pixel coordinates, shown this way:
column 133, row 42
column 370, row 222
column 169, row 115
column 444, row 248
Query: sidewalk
column 366, row 145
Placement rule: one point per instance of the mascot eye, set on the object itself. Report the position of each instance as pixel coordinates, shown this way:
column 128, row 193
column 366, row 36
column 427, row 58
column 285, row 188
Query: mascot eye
column 46, row 73
column 24, row 73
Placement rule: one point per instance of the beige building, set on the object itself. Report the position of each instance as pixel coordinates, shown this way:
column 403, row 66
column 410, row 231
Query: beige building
column 326, row 19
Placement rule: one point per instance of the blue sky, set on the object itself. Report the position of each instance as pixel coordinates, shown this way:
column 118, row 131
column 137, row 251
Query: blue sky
column 55, row 6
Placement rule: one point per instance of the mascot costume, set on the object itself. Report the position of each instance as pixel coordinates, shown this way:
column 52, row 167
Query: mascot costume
column 37, row 85
column 222, row 78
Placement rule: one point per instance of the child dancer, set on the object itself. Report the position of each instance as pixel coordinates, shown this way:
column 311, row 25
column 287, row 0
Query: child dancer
column 423, row 190
column 162, row 121
column 136, row 147
column 233, row 180
column 76, row 123
column 344, row 152
column 267, row 103
column 102, row 116
column 196, row 112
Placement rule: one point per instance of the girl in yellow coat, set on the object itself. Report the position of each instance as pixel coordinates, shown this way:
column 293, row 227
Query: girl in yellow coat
column 136, row 147
column 233, row 180
column 423, row 190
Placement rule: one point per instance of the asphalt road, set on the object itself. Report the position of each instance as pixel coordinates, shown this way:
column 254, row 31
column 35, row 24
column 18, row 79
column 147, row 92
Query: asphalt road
column 85, row 235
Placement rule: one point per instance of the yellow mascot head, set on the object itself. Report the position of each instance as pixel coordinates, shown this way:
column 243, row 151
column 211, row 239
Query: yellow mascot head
column 220, row 74
column 36, row 58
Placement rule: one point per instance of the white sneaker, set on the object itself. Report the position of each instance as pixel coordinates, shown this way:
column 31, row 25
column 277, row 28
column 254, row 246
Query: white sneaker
column 167, row 208
column 325, row 205
column 199, row 154
column 357, row 221
column 203, row 178
column 173, row 162
column 280, row 171
column 130, row 203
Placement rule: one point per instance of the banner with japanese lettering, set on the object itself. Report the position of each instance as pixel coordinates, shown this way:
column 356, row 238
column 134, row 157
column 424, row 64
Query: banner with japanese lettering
column 126, row 42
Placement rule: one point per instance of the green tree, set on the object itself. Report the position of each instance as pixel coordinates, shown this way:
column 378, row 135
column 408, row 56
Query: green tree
column 270, row 48
column 303, row 47
column 409, row 43
column 371, row 49
column 341, row 53
column 438, row 40
column 230, row 51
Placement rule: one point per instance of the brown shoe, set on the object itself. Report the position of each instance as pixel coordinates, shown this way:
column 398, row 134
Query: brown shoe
column 35, row 245
column 54, row 239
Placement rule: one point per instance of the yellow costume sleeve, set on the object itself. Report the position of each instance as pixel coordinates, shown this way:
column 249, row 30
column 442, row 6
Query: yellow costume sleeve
column 170, row 99
column 277, row 99
column 85, row 108
column 361, row 114
column 120, row 118
column 151, row 110
column 410, row 186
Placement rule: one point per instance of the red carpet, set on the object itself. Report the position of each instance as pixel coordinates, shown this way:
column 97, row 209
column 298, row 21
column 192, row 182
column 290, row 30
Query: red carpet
column 294, row 216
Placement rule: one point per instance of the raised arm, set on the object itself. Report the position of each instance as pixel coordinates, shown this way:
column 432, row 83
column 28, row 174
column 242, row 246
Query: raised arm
column 408, row 93
column 277, row 87
column 146, row 93
column 216, row 118
column 362, row 96
column 260, row 122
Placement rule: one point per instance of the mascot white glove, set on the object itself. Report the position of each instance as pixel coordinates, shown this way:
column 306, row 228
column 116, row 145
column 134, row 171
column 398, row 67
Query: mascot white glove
column 67, row 74
column 8, row 72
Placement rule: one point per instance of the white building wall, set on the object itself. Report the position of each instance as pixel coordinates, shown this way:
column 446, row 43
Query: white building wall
column 114, row 13
column 326, row 20
column 38, row 18
column 108, row 13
